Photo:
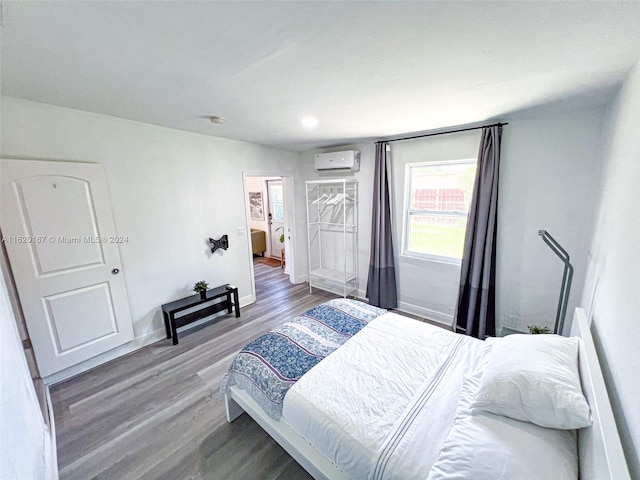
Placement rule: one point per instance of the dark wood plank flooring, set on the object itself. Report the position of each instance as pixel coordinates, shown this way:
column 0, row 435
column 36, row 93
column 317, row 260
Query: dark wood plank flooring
column 154, row 413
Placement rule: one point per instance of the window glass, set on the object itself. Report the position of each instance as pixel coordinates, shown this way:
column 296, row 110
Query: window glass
column 278, row 211
column 277, row 202
column 439, row 195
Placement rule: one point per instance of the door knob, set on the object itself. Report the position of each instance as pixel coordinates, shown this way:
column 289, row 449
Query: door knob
column 115, row 271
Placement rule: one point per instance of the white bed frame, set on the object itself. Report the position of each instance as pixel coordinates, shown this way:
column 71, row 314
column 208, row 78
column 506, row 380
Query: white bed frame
column 599, row 447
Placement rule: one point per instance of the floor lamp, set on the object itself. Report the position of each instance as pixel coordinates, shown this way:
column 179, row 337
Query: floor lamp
column 566, row 279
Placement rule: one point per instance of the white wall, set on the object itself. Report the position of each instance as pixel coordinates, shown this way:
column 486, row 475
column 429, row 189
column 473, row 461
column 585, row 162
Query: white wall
column 549, row 171
column 426, row 287
column 611, row 293
column 25, row 442
column 170, row 191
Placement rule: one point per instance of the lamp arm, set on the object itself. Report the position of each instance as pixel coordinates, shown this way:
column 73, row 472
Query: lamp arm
column 567, row 284
column 554, row 245
column 567, row 277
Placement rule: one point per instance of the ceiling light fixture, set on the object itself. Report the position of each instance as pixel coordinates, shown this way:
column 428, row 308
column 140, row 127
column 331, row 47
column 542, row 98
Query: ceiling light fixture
column 216, row 119
column 310, row 121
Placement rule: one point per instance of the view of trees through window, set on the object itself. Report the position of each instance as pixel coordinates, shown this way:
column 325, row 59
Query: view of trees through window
column 438, row 206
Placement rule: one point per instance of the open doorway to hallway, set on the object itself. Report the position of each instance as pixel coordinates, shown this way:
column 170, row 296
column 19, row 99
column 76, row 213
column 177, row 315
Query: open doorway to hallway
column 269, row 216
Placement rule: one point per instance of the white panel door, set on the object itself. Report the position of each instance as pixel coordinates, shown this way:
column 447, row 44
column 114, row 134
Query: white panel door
column 58, row 229
column 275, row 206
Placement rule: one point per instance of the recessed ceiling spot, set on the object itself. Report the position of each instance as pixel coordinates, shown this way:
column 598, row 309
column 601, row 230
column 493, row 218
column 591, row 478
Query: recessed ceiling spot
column 310, row 121
column 216, row 119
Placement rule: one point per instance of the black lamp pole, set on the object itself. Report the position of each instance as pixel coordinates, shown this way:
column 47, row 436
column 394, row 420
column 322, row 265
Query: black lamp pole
column 566, row 279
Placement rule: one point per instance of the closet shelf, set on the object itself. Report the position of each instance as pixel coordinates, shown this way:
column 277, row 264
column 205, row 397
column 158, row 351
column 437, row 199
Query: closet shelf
column 333, row 224
column 330, row 274
column 335, row 204
column 332, row 219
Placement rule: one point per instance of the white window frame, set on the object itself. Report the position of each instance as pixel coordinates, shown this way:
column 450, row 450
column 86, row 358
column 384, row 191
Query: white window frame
column 408, row 212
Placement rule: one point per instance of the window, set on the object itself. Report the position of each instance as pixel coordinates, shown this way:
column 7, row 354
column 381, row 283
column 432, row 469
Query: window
column 277, row 200
column 437, row 202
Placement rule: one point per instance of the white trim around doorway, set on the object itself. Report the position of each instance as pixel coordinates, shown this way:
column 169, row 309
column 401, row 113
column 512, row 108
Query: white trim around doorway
column 289, row 223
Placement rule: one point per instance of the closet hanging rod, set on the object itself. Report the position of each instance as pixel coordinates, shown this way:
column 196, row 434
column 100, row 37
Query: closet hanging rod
column 443, row 132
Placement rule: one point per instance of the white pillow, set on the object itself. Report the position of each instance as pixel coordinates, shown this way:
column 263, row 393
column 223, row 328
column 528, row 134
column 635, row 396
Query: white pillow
column 534, row 378
column 490, row 447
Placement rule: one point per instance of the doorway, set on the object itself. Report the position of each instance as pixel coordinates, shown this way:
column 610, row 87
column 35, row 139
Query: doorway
column 270, row 217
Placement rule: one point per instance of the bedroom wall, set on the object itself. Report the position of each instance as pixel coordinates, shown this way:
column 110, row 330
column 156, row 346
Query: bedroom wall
column 428, row 288
column 610, row 293
column 170, row 191
column 25, row 444
column 550, row 166
column 425, row 288
column 549, row 170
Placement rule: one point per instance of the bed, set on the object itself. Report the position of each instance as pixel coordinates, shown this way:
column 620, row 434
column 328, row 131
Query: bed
column 352, row 391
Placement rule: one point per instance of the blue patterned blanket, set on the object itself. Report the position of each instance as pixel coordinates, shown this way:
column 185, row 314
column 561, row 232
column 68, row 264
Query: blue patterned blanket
column 267, row 367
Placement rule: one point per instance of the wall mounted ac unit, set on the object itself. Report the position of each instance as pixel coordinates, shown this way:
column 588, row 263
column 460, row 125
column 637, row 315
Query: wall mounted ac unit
column 346, row 161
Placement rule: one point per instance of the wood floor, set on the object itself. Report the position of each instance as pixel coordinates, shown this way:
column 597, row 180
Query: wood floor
column 154, row 413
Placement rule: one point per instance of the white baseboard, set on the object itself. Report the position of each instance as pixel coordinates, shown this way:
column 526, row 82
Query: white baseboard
column 438, row 317
column 50, row 443
column 133, row 345
column 248, row 300
column 301, row 279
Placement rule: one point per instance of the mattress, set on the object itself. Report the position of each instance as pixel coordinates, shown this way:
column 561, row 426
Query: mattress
column 387, row 413
column 268, row 366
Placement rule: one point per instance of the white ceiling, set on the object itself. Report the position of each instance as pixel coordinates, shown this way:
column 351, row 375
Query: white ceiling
column 365, row 69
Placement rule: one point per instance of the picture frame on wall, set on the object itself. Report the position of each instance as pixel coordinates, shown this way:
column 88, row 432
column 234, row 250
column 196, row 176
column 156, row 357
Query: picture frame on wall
column 256, row 205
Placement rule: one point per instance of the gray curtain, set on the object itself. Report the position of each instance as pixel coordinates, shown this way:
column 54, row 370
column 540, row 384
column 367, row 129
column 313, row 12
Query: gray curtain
column 381, row 284
column 475, row 314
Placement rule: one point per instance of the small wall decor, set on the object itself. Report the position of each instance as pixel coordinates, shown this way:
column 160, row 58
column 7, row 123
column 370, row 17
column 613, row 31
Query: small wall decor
column 222, row 242
column 256, row 205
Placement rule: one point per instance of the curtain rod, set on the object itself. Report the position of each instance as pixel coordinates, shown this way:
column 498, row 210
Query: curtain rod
column 442, row 133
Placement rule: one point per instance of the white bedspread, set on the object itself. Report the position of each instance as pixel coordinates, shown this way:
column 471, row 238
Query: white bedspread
column 381, row 406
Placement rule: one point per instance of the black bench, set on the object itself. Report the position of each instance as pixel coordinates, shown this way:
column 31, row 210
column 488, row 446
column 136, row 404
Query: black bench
column 206, row 308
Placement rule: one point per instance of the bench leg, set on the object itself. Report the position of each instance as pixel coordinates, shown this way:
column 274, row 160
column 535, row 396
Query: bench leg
column 167, row 327
column 174, row 330
column 229, row 304
column 236, row 302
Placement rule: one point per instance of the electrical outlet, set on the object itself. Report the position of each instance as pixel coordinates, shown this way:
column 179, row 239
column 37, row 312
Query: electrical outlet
column 241, row 231
column 511, row 321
